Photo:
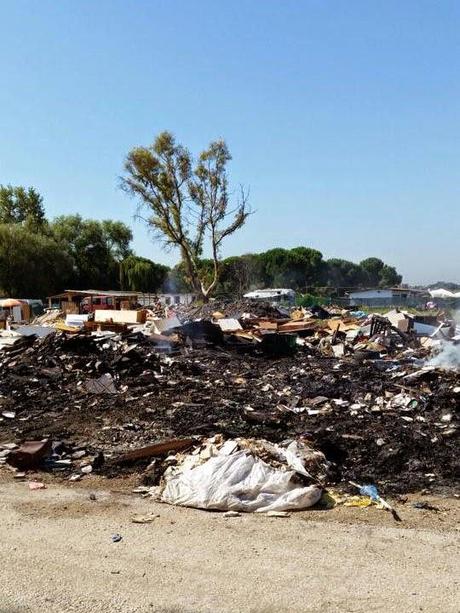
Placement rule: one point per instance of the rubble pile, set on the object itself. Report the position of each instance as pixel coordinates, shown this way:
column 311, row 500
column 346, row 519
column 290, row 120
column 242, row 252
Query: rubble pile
column 232, row 309
column 356, row 388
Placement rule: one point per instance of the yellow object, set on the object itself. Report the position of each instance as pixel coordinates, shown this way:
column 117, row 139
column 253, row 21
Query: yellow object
column 358, row 501
column 328, row 500
column 63, row 328
column 297, row 315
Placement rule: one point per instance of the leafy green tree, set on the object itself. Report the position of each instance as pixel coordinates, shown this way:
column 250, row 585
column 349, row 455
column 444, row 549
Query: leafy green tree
column 117, row 237
column 187, row 203
column 96, row 247
column 239, row 274
column 31, row 265
column 295, row 268
column 275, row 265
column 389, row 277
column 19, row 205
column 342, row 273
column 306, row 265
column 372, row 268
column 380, row 274
column 142, row 275
column 176, row 280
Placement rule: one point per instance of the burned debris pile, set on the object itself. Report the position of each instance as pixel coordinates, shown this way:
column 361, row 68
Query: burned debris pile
column 360, row 390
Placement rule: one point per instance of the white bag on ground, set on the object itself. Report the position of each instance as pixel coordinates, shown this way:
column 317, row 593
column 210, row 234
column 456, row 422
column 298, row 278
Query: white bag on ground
column 239, row 482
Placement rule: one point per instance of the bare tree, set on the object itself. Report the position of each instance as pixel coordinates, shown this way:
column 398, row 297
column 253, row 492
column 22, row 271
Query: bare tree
column 188, row 206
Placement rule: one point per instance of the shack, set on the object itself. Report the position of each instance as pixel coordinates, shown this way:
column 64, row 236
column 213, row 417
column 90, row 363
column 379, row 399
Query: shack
column 19, row 310
column 72, row 301
column 393, row 296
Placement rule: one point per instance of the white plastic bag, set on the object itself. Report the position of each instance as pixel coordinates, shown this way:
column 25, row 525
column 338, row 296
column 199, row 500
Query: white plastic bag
column 238, row 482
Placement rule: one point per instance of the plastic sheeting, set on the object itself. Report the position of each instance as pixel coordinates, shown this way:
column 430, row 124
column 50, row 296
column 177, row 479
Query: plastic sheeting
column 240, row 482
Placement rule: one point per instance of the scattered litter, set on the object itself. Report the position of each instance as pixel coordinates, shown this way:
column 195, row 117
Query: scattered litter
column 141, row 490
column 143, row 519
column 359, row 501
column 29, row 454
column 363, row 389
column 373, row 494
column 155, row 450
column 426, row 506
column 103, row 385
column 116, row 538
column 36, row 485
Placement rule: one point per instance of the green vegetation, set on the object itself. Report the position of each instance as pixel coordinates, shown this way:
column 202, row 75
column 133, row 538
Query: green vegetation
column 187, row 202
column 39, row 257
column 308, row 300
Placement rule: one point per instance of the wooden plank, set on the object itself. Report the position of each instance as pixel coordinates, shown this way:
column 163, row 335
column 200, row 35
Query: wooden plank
column 176, row 444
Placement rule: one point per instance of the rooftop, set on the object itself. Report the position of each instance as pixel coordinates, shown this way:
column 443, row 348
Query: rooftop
column 96, row 292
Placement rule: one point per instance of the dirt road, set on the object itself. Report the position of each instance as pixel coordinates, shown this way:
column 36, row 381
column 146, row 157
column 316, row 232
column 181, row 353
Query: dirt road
column 57, row 555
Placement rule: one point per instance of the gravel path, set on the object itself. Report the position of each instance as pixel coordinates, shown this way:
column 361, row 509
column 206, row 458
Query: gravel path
column 57, row 555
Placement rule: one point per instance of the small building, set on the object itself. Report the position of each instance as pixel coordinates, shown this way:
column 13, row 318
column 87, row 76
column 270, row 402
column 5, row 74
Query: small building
column 20, row 310
column 89, row 300
column 394, row 296
column 175, row 299
column 86, row 301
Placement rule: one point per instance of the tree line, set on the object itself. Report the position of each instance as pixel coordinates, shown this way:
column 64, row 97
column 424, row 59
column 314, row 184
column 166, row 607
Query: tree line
column 301, row 269
column 39, row 257
column 188, row 204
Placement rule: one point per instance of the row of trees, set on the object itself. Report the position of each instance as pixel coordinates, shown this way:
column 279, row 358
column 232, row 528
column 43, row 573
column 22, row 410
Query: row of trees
column 299, row 268
column 39, row 257
column 187, row 203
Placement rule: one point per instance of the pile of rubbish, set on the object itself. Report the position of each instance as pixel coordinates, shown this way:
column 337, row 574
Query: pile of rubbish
column 256, row 391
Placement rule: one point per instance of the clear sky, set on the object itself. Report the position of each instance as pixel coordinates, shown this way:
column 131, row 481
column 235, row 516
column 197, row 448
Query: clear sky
column 343, row 117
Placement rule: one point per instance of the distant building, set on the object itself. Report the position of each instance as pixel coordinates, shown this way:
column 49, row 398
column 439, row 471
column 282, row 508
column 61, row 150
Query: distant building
column 272, row 295
column 86, row 301
column 395, row 296
column 443, row 293
column 75, row 301
column 176, row 299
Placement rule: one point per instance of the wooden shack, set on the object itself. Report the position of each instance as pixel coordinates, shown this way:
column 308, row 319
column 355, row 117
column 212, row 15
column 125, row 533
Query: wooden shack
column 87, row 301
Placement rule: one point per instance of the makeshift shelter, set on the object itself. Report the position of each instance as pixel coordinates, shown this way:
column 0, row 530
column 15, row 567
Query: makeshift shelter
column 71, row 301
column 16, row 309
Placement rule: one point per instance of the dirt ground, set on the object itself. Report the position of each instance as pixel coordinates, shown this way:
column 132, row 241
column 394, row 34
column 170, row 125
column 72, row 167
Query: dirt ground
column 57, row 555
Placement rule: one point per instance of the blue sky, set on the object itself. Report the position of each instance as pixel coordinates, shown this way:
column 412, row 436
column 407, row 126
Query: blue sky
column 343, row 118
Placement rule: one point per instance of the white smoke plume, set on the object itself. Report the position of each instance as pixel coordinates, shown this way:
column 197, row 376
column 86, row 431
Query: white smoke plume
column 448, row 358
column 449, row 355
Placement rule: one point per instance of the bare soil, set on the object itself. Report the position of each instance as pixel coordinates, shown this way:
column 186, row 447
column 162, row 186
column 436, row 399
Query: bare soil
column 57, row 555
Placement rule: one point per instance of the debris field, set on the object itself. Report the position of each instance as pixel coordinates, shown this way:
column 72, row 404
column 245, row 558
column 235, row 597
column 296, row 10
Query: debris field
column 377, row 413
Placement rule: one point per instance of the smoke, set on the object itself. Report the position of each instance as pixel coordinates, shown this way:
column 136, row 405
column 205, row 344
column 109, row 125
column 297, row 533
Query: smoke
column 448, row 358
column 170, row 285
